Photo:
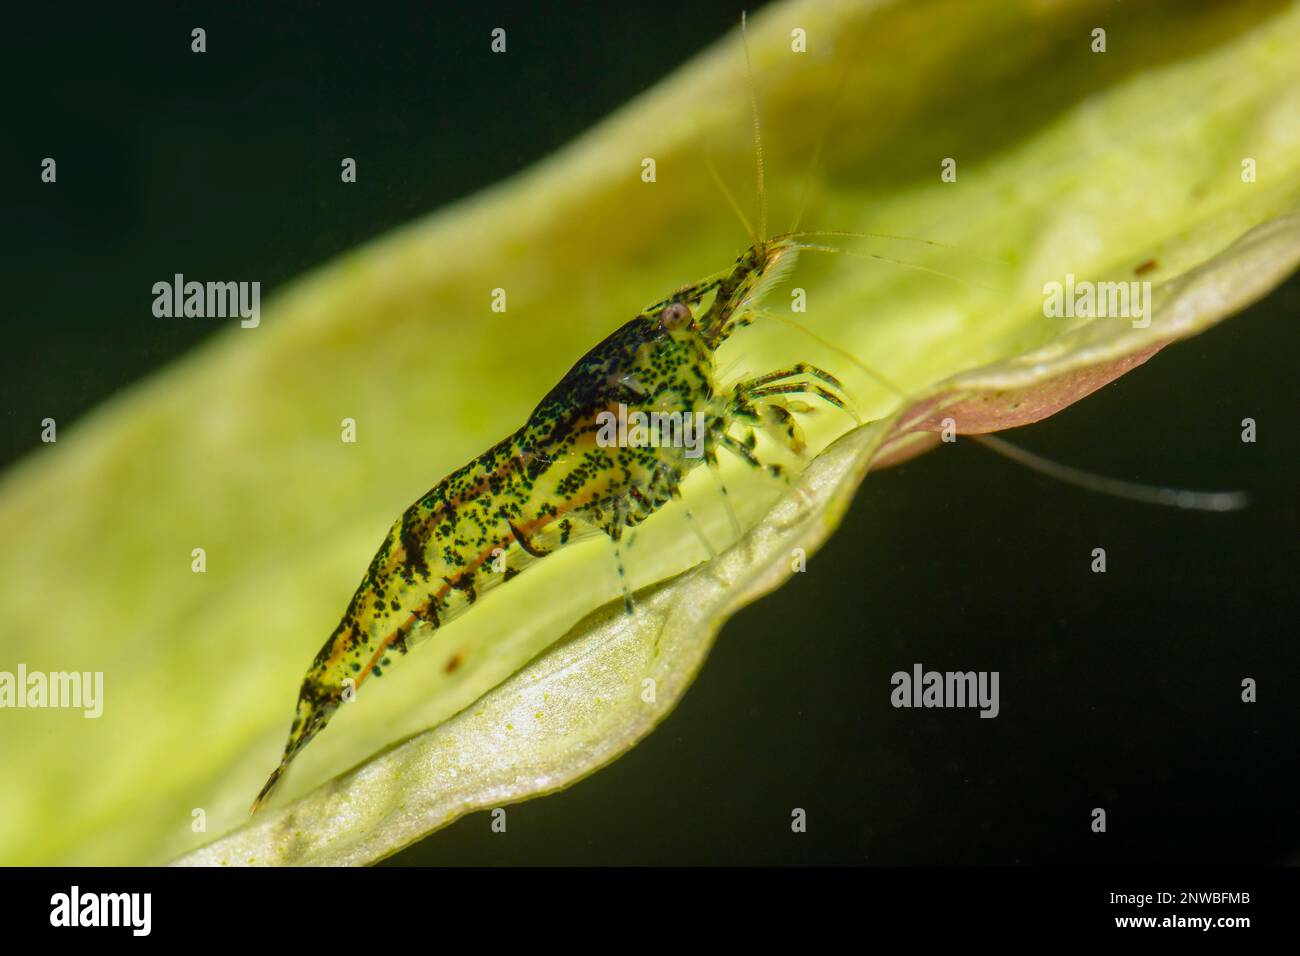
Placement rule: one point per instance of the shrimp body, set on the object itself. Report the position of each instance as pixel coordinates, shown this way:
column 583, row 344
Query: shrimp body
column 555, row 479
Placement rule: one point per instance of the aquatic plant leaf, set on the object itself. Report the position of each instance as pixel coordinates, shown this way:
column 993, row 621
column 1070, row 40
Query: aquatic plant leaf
column 1068, row 162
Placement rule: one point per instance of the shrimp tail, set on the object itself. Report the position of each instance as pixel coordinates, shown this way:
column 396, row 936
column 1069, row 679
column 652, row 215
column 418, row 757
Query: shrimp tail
column 268, row 788
column 316, row 705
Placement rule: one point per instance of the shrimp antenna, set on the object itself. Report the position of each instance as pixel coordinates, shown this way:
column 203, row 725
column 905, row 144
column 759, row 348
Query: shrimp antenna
column 731, row 200
column 916, row 266
column 813, row 162
column 841, row 84
column 758, row 134
column 1150, row 494
column 1114, row 487
column 895, row 237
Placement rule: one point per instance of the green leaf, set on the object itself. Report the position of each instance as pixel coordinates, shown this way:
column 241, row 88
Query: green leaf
column 1068, row 161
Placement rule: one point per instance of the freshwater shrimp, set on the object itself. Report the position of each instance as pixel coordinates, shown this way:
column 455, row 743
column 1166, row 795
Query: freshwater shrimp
column 554, row 479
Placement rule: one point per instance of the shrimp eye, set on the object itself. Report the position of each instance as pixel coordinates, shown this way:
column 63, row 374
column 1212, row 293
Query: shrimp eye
column 675, row 316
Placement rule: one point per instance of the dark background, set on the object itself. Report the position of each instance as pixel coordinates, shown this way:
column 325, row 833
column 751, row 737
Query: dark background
column 1118, row 690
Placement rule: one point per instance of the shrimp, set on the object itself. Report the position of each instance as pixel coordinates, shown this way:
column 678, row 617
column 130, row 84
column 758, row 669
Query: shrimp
column 554, row 480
